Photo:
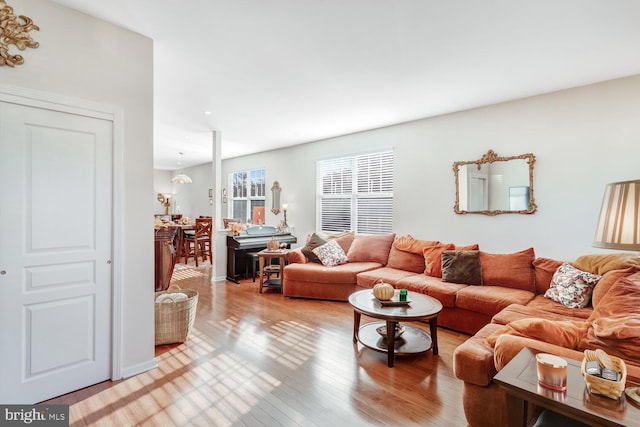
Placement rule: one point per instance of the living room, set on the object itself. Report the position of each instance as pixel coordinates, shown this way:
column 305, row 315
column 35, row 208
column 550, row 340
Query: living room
column 583, row 138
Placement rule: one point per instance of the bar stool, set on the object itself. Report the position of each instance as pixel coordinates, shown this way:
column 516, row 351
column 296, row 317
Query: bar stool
column 199, row 244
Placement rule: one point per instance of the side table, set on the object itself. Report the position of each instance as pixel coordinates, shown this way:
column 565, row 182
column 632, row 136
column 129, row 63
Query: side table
column 519, row 378
column 265, row 258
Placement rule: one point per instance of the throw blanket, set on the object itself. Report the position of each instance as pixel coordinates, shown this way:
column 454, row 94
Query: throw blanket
column 622, row 326
column 567, row 333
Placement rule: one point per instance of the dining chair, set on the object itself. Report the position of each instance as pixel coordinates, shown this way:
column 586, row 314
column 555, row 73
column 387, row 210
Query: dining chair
column 199, row 244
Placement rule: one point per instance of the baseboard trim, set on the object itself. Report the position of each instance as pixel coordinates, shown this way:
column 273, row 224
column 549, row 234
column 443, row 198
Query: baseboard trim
column 139, row 368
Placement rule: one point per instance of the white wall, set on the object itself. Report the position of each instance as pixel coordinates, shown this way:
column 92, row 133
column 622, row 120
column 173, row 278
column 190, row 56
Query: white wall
column 85, row 58
column 191, row 200
column 582, row 138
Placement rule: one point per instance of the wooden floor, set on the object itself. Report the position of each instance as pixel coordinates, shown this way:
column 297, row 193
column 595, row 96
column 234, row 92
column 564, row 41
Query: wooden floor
column 265, row 360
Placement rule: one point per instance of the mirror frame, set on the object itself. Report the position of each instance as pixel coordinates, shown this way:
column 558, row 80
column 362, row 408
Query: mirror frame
column 491, row 157
column 276, row 191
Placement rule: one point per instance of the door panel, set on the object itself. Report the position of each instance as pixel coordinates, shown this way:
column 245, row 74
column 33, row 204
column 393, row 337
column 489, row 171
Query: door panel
column 55, row 223
column 58, row 335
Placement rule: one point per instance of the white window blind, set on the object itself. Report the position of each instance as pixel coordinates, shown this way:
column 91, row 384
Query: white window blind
column 356, row 193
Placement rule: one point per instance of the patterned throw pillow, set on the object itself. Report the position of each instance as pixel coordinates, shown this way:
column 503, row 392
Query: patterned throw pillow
column 330, row 254
column 313, row 242
column 572, row 287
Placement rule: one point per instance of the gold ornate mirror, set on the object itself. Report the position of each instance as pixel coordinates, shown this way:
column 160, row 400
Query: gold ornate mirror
column 495, row 185
column 276, row 190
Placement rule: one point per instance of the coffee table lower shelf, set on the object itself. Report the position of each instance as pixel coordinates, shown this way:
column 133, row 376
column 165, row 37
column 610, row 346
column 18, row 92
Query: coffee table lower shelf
column 413, row 340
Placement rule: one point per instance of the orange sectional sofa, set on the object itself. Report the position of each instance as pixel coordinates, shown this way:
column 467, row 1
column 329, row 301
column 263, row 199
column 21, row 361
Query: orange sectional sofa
column 508, row 278
column 507, row 312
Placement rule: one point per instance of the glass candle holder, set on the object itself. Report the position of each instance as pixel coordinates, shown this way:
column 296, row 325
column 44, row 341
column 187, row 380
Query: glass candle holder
column 552, row 371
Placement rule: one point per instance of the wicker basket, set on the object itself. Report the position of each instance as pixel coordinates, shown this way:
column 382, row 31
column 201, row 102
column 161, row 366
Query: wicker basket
column 174, row 320
column 608, row 388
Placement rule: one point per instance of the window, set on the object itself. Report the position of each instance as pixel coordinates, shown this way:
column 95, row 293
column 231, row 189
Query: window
column 356, row 193
column 248, row 195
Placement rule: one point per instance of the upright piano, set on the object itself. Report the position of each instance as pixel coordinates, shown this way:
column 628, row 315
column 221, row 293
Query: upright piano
column 254, row 239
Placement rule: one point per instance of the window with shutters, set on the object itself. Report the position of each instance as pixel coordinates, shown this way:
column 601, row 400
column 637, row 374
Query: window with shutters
column 356, row 193
column 247, row 196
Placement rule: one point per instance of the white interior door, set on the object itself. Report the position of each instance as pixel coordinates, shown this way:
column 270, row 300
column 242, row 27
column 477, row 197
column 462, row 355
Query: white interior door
column 478, row 197
column 55, row 251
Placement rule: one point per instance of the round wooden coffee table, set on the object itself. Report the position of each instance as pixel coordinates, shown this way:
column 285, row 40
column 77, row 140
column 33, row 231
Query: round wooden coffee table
column 413, row 340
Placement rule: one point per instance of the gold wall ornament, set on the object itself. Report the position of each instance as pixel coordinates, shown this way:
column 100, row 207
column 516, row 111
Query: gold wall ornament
column 12, row 32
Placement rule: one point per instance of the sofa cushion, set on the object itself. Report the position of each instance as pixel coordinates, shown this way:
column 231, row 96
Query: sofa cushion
column 371, row 248
column 616, row 321
column 540, row 311
column 601, row 263
column 545, row 305
column 609, row 279
column 622, row 299
column 461, row 267
column 434, row 287
column 344, row 239
column 513, row 270
column 296, row 256
column 318, row 273
column 407, row 261
column 330, row 254
column 543, row 269
column 368, row 279
column 572, row 287
column 409, row 244
column 490, row 300
column 313, row 242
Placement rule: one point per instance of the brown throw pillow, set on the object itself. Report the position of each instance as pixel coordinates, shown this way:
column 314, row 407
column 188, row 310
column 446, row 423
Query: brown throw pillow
column 462, row 267
column 313, row 242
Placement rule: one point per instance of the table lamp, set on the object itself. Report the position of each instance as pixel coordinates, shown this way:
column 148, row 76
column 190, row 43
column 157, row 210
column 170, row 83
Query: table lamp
column 619, row 221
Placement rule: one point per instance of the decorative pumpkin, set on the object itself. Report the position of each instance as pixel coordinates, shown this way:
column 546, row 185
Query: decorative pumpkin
column 383, row 291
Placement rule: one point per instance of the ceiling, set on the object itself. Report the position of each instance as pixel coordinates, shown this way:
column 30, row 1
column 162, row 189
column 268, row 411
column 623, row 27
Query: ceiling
column 284, row 72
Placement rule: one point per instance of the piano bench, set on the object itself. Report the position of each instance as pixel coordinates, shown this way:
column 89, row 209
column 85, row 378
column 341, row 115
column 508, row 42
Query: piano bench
column 251, row 259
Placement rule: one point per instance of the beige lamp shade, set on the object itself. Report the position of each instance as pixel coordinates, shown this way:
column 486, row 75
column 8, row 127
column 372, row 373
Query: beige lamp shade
column 619, row 222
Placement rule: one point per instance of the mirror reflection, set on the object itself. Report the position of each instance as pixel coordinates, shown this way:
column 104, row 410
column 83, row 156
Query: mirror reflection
column 495, row 185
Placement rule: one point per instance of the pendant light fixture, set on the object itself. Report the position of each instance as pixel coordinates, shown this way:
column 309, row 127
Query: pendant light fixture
column 181, row 178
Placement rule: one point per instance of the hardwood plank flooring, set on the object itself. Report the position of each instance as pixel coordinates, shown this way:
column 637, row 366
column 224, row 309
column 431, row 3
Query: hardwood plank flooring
column 265, row 360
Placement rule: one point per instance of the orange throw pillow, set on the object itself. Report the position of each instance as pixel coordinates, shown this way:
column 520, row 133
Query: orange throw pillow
column 433, row 259
column 544, row 269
